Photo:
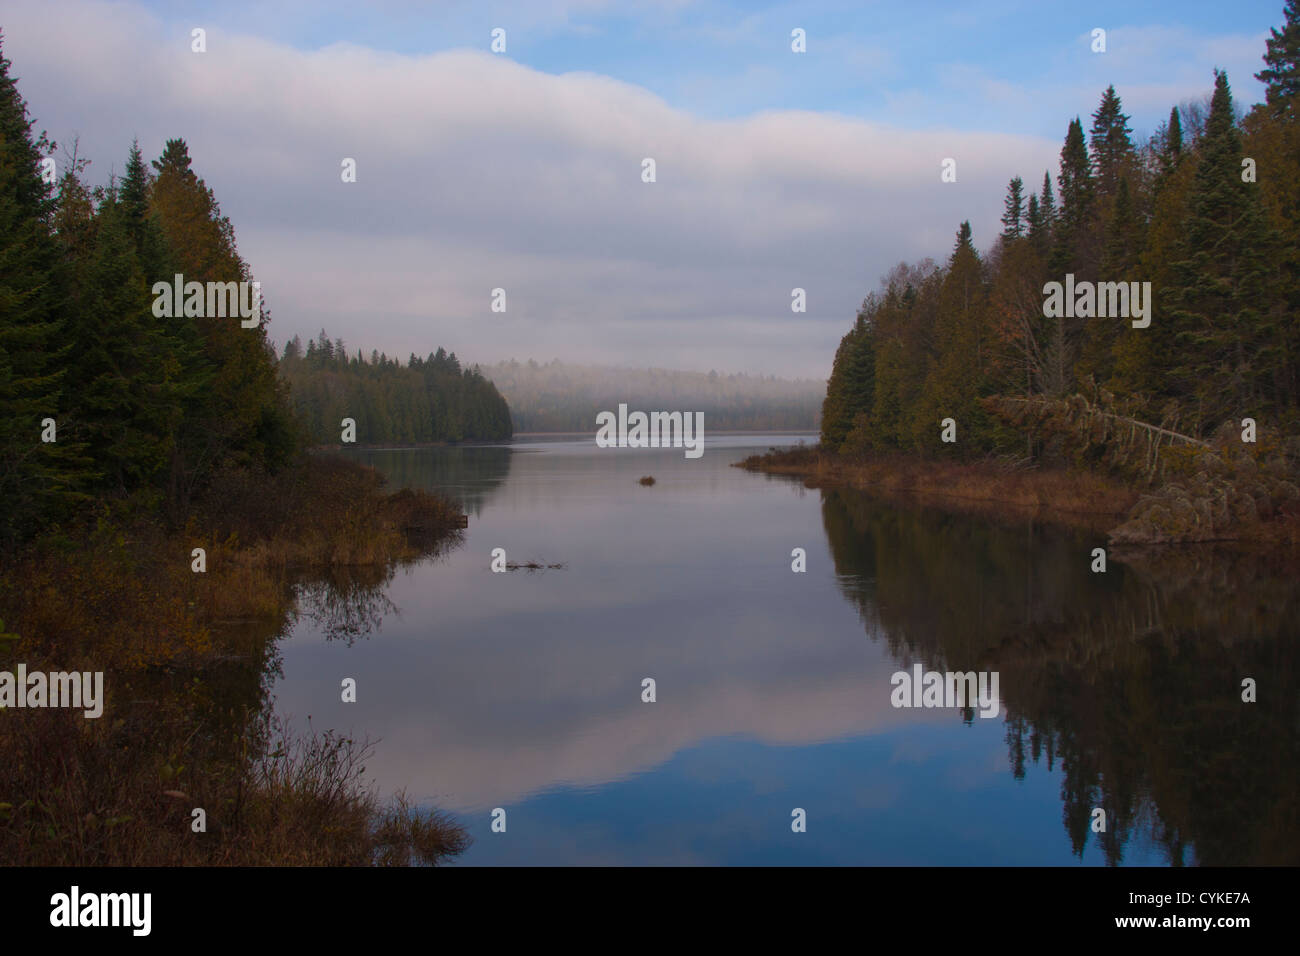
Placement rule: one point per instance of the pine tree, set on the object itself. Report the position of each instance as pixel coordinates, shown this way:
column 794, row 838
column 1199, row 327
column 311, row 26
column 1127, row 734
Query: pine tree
column 124, row 400
column 1168, row 146
column 1224, row 331
column 1042, row 236
column 1014, row 210
column 960, row 372
column 37, row 479
column 1282, row 74
column 141, row 223
column 240, row 414
column 1123, row 242
column 1033, row 220
column 1123, row 239
column 1172, row 152
column 1110, row 143
column 850, row 391
column 1077, row 191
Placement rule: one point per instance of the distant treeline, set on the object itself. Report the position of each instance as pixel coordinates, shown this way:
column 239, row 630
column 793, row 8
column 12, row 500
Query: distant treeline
column 1207, row 212
column 422, row 400
column 558, row 397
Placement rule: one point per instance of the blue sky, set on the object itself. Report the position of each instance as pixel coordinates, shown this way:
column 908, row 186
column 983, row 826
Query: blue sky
column 874, row 60
column 775, row 170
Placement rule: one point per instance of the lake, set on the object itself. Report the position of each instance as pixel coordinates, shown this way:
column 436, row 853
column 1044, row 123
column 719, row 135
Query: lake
column 774, row 690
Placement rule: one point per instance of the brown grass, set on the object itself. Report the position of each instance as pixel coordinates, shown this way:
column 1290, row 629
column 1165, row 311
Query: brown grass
column 987, row 487
column 121, row 598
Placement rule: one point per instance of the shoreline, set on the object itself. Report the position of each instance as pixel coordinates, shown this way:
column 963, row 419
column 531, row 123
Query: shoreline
column 986, row 489
column 182, row 623
column 1071, row 498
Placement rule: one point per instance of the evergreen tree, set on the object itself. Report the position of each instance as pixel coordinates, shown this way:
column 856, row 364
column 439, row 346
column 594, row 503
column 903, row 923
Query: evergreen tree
column 1110, row 143
column 850, row 392
column 419, row 401
column 1172, row 152
column 1013, row 213
column 1223, row 326
column 36, row 478
column 960, row 372
column 1282, row 73
column 1033, row 220
column 1122, row 246
column 239, row 415
column 142, row 225
column 1168, row 147
column 1075, row 180
column 1048, row 202
column 124, row 401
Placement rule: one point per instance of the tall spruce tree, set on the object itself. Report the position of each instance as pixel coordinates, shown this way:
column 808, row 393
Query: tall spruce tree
column 125, row 376
column 37, row 479
column 1042, row 236
column 1168, row 147
column 851, row 387
column 1048, row 201
column 1013, row 210
column 1033, row 220
column 1077, row 190
column 1281, row 75
column 959, row 374
column 1225, row 332
column 1110, row 143
column 241, row 414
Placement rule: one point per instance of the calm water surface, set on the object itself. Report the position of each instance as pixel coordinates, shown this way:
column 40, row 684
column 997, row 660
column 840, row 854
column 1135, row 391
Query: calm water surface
column 522, row 690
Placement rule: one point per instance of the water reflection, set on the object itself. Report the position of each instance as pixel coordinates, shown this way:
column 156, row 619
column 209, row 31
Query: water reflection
column 1128, row 681
column 467, row 474
column 523, row 691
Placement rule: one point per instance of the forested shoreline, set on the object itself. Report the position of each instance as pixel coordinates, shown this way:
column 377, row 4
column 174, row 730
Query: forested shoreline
column 160, row 508
column 1197, row 402
column 421, row 401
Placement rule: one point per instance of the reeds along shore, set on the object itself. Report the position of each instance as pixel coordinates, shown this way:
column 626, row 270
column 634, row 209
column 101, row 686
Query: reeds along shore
column 1213, row 495
column 185, row 655
column 1089, row 498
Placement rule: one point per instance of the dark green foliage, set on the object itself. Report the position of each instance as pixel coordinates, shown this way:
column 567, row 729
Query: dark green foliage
column 422, row 400
column 36, row 478
column 1221, row 253
column 124, row 407
column 1224, row 329
column 1170, row 149
column 1282, row 72
column 1077, row 194
column 851, row 389
column 140, row 407
column 1109, row 142
column 1013, row 206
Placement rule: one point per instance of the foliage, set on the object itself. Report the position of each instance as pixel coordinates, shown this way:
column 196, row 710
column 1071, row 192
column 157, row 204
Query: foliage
column 969, row 339
column 424, row 400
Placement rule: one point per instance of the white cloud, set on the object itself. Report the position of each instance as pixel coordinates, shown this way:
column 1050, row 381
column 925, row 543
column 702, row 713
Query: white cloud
column 476, row 172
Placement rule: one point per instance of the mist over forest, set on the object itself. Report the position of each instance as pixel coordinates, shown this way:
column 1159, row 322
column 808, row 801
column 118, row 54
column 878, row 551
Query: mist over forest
column 559, row 397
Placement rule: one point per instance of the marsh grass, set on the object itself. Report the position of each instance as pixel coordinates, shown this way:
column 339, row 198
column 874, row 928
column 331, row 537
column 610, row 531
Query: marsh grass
column 988, row 487
column 187, row 658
